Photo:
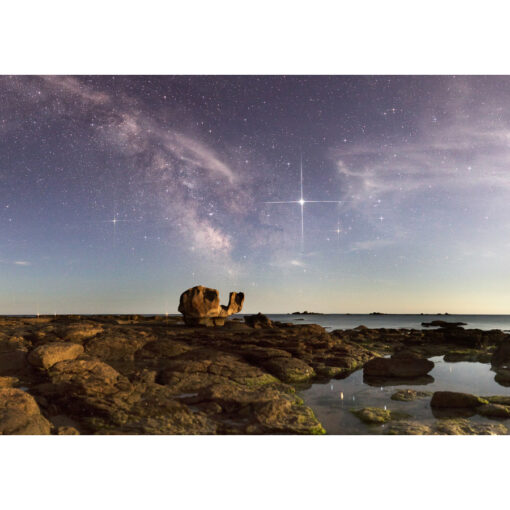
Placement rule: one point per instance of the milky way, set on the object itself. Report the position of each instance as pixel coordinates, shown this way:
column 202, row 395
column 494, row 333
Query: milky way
column 117, row 193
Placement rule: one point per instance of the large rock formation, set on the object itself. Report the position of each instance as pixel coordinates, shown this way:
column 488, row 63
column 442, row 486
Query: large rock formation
column 200, row 306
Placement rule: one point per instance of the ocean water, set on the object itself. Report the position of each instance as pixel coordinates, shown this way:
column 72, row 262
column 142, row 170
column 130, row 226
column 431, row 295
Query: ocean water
column 332, row 401
column 342, row 321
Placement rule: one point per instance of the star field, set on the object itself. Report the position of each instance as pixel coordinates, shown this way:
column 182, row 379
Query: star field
column 119, row 192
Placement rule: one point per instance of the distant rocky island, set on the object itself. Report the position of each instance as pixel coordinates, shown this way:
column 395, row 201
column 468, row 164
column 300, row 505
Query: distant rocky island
column 306, row 312
column 204, row 373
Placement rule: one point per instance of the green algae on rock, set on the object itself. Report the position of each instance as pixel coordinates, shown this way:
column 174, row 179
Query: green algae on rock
column 377, row 415
column 409, row 395
column 453, row 399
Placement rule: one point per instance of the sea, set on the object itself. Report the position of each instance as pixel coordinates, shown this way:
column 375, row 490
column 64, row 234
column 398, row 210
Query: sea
column 350, row 321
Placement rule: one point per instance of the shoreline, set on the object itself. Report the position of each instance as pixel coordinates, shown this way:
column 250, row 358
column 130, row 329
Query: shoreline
column 135, row 374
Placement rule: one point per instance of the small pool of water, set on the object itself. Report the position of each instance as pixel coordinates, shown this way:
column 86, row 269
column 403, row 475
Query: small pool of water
column 332, row 401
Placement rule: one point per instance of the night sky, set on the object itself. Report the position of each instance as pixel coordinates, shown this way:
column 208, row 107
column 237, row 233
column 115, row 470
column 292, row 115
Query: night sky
column 118, row 193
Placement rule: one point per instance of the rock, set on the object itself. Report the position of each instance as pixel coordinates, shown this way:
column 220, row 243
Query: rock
column 410, row 428
column 401, row 366
column 89, row 375
column 464, row 427
column 67, row 431
column 194, row 371
column 12, row 362
column 45, row 356
column 494, row 411
column 258, row 321
column 8, row 382
column 200, row 306
column 289, row 370
column 20, row 414
column 452, row 399
column 473, row 338
column 498, row 399
column 117, row 345
column 443, row 324
column 502, row 376
column 501, row 355
column 82, row 331
column 409, row 395
column 376, row 415
column 422, row 380
column 471, row 355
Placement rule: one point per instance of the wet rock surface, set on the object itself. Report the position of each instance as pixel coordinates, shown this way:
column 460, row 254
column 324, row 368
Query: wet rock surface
column 409, row 395
column 398, row 366
column 70, row 375
column 452, row 399
column 376, row 415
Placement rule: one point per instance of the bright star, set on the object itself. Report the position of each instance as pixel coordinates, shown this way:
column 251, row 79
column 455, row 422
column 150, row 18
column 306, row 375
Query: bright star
column 302, row 202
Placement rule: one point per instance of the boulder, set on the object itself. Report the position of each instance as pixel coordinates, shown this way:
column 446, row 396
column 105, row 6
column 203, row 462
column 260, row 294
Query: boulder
column 117, row 344
column 409, row 395
column 501, row 355
column 20, row 414
column 289, row 370
column 401, row 366
column 200, row 306
column 81, row 331
column 502, row 376
column 452, row 399
column 258, row 321
column 494, row 411
column 45, row 356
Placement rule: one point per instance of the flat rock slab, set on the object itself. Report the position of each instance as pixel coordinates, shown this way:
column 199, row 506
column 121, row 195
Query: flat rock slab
column 452, row 399
column 397, row 367
column 45, row 356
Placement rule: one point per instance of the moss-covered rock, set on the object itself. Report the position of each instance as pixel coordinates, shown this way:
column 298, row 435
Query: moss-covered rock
column 494, row 411
column 463, row 427
column 452, row 399
column 377, row 415
column 409, row 395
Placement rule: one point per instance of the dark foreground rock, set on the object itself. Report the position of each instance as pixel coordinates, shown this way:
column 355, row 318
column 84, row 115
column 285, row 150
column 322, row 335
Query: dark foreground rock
column 401, row 366
column 443, row 324
column 451, row 399
column 258, row 321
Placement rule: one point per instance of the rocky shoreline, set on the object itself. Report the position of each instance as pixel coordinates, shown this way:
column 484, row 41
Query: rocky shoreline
column 156, row 375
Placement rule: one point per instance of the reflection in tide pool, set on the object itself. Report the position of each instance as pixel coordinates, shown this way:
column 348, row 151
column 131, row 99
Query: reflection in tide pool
column 332, row 402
